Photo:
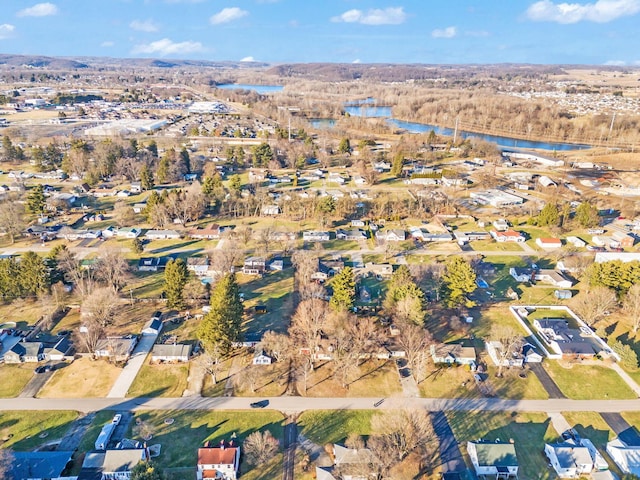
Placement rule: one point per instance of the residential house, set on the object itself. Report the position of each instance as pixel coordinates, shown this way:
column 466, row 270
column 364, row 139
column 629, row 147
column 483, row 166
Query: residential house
column 359, row 223
column 261, row 358
column 471, row 236
column 58, row 350
column 392, row 235
column 316, row 236
column 327, row 268
column 190, row 177
column 571, row 264
column 152, row 327
column 210, row 232
column 109, row 232
column 494, row 458
column 437, row 237
column 116, row 349
column 453, row 353
column 626, row 240
column 569, row 342
column 129, row 232
column 270, row 210
column 354, row 234
column 153, row 264
column 501, row 225
column 381, row 269
column 254, row 266
column 552, row 277
column 198, row 265
column 381, row 166
column 162, row 235
column 359, row 180
column 174, row 353
column 576, row 241
column 508, row 236
column 220, row 462
column 624, row 257
column 569, row 459
column 495, row 351
column 25, row 352
column 139, row 207
column 123, row 194
column 39, row 465
column 276, row 265
column 136, row 187
column 112, row 464
column 625, row 456
column 336, row 178
column 549, row 243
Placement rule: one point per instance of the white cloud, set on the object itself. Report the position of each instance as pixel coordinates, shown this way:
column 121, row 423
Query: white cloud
column 376, row 16
column 248, row 59
column 144, row 26
column 448, row 32
column 39, row 10
column 615, row 63
column 107, row 43
column 601, row 11
column 166, row 47
column 357, row 60
column 6, row 30
column 227, row 15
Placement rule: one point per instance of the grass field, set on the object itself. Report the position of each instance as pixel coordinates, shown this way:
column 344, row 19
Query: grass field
column 329, row 426
column 372, row 379
column 23, row 312
column 272, row 381
column 529, row 431
column 164, row 380
column 14, row 379
column 274, row 291
column 191, row 429
column 82, row 378
column 588, row 382
column 27, row 430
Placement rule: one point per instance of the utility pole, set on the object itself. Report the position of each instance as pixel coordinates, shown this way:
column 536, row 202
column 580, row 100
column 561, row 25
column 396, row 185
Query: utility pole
column 455, row 131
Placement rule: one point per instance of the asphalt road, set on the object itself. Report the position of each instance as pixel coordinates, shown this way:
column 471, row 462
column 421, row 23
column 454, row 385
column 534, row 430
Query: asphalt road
column 290, row 438
column 299, row 404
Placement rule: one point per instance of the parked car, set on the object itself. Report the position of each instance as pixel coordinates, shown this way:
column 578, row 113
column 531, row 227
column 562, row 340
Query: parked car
column 43, row 369
column 260, row 404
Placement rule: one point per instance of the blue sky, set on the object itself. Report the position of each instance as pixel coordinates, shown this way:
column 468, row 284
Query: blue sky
column 276, row 31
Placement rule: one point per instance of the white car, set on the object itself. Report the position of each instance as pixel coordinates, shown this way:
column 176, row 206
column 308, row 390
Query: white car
column 116, row 419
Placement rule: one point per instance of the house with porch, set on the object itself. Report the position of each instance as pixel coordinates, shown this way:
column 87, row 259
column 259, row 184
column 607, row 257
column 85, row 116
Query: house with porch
column 220, row 462
column 497, row 459
column 453, row 353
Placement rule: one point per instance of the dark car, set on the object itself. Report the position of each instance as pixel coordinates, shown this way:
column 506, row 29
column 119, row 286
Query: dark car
column 43, row 369
column 260, row 404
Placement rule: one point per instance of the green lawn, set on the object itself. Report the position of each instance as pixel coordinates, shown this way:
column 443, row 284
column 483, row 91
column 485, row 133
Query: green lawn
column 27, row 430
column 14, row 379
column 529, row 431
column 588, row 382
column 190, row 429
column 493, row 246
column 168, row 380
column 590, row 425
column 275, row 291
column 334, row 426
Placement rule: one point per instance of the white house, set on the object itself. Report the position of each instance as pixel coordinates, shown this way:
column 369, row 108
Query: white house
column 128, row 232
column 270, row 210
column 198, row 265
column 549, row 243
column 162, row 235
column 174, row 353
column 508, row 236
column 501, row 224
column 315, row 236
column 152, row 327
column 568, row 459
column 494, row 458
column 220, row 462
column 627, row 457
column 453, row 353
column 576, row 242
column 261, row 358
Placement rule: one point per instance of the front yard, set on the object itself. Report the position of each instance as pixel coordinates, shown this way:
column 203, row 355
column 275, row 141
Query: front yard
column 160, row 380
column 82, row 378
column 588, row 382
column 24, row 431
column 14, row 379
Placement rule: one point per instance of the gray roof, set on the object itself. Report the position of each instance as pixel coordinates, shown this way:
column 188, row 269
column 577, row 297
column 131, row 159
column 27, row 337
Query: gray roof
column 496, row 454
column 39, row 464
column 177, row 350
column 569, row 454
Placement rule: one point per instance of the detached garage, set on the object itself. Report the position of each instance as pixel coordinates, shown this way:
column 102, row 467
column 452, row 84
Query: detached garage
column 171, row 353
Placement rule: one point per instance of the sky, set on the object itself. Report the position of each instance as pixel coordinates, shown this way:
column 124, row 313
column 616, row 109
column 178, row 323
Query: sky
column 595, row 32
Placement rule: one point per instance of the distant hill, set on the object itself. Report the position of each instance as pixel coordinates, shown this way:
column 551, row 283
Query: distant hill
column 39, row 61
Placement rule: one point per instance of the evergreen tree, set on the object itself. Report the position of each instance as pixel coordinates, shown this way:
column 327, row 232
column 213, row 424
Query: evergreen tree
column 262, row 155
column 9, row 272
column 344, row 290
column 587, row 215
column 404, row 297
column 153, row 148
column 146, row 471
column 34, row 275
column 344, row 146
column 396, row 166
column 185, row 160
column 235, row 183
column 36, row 200
column 548, row 216
column 146, row 178
column 222, row 326
column 138, row 245
column 175, row 278
column 459, row 281
column 239, row 156
column 163, row 171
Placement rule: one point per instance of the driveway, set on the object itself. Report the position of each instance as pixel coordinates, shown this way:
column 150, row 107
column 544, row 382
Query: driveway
column 34, row 385
column 133, row 366
column 450, row 454
column 621, row 427
column 547, row 382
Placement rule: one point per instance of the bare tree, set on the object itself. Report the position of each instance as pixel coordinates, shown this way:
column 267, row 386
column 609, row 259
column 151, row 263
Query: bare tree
column 414, row 340
column 248, row 378
column 143, row 429
column 188, row 205
column 396, row 433
column 354, row 441
column 303, row 371
column 12, row 219
column 112, row 268
column 222, row 259
column 594, row 303
column 6, row 463
column 100, row 306
column 260, row 447
column 81, row 278
column 124, row 214
column 212, row 362
column 306, row 264
column 307, row 324
column 88, row 336
column 631, row 306
column 277, row 345
column 509, row 342
column 195, row 291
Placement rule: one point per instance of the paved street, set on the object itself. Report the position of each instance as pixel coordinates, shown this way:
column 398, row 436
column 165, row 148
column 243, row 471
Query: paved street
column 299, row 404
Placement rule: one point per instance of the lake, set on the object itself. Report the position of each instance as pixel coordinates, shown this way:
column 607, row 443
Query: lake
column 322, row 123
column 261, row 89
column 368, row 111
